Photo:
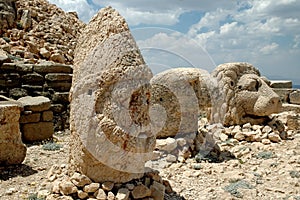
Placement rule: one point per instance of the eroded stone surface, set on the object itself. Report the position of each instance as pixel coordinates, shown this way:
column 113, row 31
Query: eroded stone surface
column 179, row 95
column 245, row 97
column 111, row 136
column 12, row 150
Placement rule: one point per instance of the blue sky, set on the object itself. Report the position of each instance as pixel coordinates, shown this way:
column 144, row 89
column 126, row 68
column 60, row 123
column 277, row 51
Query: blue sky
column 206, row 33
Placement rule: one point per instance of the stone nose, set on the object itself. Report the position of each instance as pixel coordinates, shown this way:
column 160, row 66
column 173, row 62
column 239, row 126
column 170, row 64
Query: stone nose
column 275, row 100
column 275, row 103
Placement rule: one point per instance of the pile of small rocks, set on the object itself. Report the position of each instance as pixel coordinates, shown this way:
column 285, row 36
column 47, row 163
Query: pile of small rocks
column 212, row 138
column 79, row 186
column 41, row 31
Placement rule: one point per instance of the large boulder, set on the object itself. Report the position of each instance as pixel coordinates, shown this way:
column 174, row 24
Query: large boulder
column 110, row 133
column 182, row 94
column 12, row 150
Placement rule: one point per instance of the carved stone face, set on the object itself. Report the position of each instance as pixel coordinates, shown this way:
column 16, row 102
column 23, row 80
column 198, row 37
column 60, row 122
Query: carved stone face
column 255, row 99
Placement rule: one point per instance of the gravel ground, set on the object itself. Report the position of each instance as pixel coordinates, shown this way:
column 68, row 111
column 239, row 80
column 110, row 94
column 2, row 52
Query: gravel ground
column 260, row 172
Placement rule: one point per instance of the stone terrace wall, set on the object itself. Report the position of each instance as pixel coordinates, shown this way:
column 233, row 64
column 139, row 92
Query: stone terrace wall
column 52, row 80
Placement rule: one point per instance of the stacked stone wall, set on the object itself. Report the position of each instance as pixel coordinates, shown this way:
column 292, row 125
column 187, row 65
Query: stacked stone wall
column 52, row 80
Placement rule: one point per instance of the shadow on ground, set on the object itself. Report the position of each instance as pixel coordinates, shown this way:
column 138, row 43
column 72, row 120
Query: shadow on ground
column 8, row 172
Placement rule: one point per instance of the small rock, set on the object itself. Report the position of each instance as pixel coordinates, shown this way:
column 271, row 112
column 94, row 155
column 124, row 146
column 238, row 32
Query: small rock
column 67, row 188
column 82, row 195
column 181, row 141
column 257, row 127
column 171, row 158
column 130, row 186
column 91, row 188
column 56, row 57
column 235, row 130
column 55, row 187
column 157, row 191
column 223, row 137
column 273, row 137
column 247, row 126
column 100, row 194
column 107, row 186
column 167, row 145
column 266, row 141
column 80, row 180
column 239, row 136
column 42, row 194
column 283, row 135
column 267, row 129
column 11, row 191
column 45, row 53
column 141, row 191
column 110, row 196
column 123, row 194
column 197, row 166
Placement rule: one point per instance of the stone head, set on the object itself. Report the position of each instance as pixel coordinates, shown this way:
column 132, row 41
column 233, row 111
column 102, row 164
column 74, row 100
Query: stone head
column 246, row 97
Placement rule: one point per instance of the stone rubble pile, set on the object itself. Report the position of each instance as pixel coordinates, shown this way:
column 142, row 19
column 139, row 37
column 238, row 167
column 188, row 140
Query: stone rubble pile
column 37, row 30
column 79, row 186
column 283, row 126
column 36, row 119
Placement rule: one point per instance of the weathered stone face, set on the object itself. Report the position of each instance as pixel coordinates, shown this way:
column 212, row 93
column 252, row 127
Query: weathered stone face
column 182, row 95
column 110, row 125
column 245, row 96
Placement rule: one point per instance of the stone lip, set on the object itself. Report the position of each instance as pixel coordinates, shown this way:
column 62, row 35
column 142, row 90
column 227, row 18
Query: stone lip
column 35, row 104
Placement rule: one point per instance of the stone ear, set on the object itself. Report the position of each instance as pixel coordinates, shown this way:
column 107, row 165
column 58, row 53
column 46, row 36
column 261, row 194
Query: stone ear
column 266, row 80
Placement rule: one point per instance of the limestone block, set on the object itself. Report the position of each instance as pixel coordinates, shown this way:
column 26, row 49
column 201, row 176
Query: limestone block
column 31, row 118
column 281, row 84
column 37, row 131
column 12, row 150
column 35, row 104
column 47, row 116
column 295, row 97
column 59, row 86
column 110, row 134
column 61, row 97
column 33, row 79
column 58, row 77
column 283, row 94
column 24, row 68
column 50, row 67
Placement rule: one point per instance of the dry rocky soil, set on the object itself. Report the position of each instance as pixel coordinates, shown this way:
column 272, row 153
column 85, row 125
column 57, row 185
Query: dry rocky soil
column 260, row 171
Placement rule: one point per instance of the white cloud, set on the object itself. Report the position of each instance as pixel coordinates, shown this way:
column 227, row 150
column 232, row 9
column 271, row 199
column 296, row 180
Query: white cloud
column 172, row 49
column 159, row 12
column 84, row 10
column 268, row 49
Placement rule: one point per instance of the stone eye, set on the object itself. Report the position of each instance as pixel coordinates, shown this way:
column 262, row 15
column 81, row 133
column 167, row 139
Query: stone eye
column 254, row 85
